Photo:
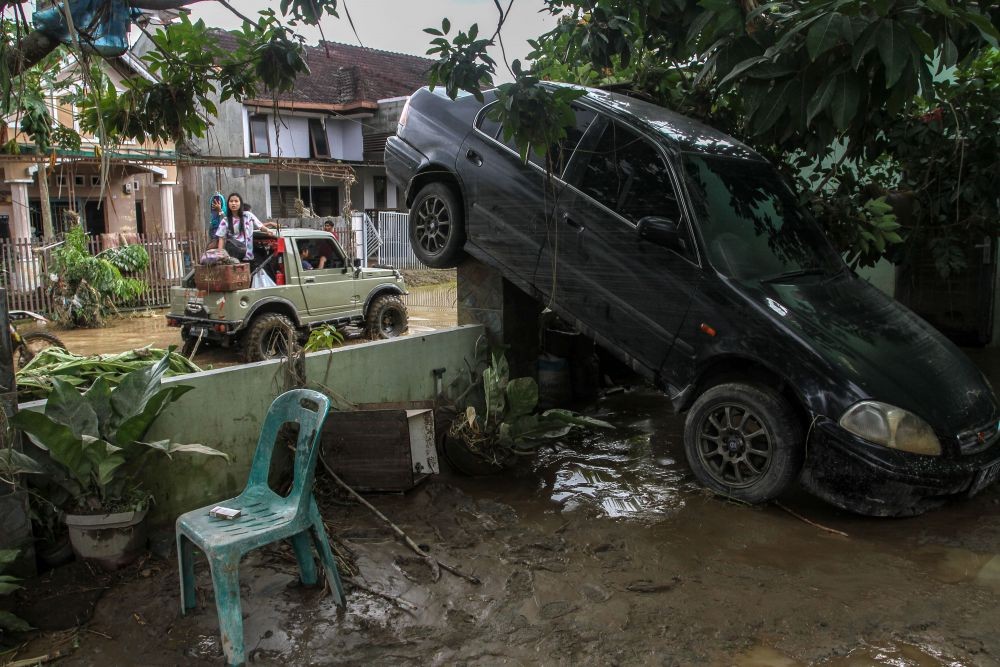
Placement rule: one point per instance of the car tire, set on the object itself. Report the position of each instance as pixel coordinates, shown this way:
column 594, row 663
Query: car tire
column 267, row 337
column 437, row 226
column 744, row 442
column 32, row 344
column 387, row 317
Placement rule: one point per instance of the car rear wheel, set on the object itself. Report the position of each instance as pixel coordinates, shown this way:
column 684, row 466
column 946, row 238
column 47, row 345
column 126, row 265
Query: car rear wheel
column 437, row 226
column 268, row 337
column 387, row 317
column 744, row 441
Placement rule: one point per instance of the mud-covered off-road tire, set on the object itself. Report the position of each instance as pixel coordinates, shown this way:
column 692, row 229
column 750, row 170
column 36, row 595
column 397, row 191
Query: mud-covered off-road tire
column 744, row 441
column 437, row 226
column 267, row 337
column 33, row 343
column 387, row 317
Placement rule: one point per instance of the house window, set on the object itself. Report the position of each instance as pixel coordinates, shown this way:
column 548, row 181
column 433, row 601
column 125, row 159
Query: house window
column 258, row 135
column 319, row 147
column 78, row 181
column 95, row 180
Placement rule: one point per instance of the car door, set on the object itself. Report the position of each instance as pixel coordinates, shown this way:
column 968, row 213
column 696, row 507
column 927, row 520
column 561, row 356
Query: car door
column 511, row 203
column 331, row 290
column 632, row 291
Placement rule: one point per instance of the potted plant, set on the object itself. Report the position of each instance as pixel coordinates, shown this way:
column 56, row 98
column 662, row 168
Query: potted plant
column 480, row 443
column 91, row 447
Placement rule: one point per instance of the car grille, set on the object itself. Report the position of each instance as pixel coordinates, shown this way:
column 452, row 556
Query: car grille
column 970, row 443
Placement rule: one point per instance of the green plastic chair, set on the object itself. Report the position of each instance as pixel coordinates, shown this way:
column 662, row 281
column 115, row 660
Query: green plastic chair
column 266, row 518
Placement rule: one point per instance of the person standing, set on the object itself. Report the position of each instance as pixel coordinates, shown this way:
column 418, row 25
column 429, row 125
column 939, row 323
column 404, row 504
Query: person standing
column 218, row 212
column 235, row 232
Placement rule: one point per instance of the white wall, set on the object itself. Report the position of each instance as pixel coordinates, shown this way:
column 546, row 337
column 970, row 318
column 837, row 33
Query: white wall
column 292, row 138
column 345, row 139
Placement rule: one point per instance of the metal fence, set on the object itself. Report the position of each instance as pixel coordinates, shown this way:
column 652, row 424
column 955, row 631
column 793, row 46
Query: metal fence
column 395, row 249
column 26, row 267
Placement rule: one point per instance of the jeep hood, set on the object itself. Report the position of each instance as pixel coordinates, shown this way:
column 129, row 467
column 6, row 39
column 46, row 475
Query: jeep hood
column 881, row 347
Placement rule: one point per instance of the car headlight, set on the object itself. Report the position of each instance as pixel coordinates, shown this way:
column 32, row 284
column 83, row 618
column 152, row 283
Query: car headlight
column 892, row 427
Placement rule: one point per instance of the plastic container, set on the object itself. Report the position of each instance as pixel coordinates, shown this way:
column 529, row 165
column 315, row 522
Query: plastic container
column 554, row 387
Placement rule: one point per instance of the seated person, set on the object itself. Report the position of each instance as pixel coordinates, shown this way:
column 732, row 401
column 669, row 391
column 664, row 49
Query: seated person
column 329, row 258
column 307, row 258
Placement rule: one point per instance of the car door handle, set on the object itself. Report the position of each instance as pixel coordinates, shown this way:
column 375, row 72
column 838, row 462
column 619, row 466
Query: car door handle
column 474, row 157
column 308, row 280
column 573, row 223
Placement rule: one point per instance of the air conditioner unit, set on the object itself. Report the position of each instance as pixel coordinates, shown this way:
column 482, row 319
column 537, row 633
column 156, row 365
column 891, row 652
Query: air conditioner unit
column 127, row 188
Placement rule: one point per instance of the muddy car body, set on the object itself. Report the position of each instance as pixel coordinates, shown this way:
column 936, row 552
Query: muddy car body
column 682, row 251
column 299, row 298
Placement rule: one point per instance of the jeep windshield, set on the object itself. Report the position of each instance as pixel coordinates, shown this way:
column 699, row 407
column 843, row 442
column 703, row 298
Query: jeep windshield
column 752, row 224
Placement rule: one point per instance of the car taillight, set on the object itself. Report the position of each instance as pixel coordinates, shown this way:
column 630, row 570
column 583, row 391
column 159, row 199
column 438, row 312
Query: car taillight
column 403, row 115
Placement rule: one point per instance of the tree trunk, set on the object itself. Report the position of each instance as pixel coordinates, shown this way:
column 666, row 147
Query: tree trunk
column 48, row 232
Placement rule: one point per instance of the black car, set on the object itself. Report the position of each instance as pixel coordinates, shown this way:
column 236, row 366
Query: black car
column 684, row 252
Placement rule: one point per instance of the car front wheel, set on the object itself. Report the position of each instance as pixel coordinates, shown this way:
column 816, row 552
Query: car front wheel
column 744, row 441
column 437, row 226
column 387, row 317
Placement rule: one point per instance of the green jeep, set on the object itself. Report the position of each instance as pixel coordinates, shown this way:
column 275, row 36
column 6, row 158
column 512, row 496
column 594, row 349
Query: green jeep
column 313, row 285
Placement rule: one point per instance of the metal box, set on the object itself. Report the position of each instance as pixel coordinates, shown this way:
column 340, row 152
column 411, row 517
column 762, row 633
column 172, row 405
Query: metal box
column 381, row 448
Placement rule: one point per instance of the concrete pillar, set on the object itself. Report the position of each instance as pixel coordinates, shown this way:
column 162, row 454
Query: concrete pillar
column 510, row 316
column 368, row 179
column 173, row 263
column 25, row 269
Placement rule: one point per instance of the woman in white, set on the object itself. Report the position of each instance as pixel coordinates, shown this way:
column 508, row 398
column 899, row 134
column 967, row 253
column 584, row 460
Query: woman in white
column 236, row 230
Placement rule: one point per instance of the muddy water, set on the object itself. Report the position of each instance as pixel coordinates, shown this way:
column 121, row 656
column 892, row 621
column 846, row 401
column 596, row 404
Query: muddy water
column 599, row 551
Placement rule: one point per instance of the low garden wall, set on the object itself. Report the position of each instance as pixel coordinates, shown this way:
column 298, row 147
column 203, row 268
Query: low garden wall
column 227, row 407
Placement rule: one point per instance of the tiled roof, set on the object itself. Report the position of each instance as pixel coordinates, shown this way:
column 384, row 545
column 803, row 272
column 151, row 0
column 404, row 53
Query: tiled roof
column 344, row 76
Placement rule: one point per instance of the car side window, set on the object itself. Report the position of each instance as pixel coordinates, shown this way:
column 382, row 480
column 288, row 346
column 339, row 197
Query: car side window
column 490, row 128
column 319, row 254
column 627, row 174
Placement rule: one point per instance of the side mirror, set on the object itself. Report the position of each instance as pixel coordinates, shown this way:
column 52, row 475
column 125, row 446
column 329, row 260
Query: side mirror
column 357, row 262
column 661, row 231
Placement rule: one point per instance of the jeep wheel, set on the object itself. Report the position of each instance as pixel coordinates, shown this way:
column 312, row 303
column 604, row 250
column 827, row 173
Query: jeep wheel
column 387, row 317
column 744, row 441
column 267, row 337
column 437, row 227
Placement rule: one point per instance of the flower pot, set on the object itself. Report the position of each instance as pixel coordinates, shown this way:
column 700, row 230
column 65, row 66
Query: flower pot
column 110, row 540
column 465, row 460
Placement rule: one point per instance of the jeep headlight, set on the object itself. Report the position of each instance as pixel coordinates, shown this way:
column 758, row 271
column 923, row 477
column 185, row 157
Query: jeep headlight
column 891, row 427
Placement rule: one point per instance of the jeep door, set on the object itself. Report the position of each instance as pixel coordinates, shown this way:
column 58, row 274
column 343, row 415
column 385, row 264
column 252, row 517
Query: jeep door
column 510, row 204
column 329, row 291
column 633, row 291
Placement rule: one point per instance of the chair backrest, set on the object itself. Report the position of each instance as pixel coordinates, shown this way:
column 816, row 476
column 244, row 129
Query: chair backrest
column 308, row 409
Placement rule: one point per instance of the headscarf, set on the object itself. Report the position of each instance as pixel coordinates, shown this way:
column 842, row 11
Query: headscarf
column 217, row 217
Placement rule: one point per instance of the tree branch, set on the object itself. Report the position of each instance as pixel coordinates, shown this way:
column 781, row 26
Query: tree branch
column 161, row 4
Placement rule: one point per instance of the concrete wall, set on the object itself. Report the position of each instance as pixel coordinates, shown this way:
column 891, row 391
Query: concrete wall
column 227, row 407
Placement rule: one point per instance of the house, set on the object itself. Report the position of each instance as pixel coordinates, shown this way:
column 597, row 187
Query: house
column 139, row 195
column 316, row 149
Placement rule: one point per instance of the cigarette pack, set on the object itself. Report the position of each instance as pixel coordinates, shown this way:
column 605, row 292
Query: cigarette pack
column 220, row 512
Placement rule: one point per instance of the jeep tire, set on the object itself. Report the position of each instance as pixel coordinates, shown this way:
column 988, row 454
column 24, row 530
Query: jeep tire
column 437, row 226
column 267, row 337
column 744, row 441
column 386, row 317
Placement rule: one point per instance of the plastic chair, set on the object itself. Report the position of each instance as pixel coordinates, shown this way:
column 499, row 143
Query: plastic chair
column 266, row 518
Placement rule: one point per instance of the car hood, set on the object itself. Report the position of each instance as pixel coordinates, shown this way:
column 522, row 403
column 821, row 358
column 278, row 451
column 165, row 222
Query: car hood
column 884, row 349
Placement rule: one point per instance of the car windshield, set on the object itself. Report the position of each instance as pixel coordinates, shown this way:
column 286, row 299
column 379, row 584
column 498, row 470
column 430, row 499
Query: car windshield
column 751, row 223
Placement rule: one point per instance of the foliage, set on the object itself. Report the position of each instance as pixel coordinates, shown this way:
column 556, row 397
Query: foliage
column 325, row 337
column 8, row 584
column 90, row 444
column 508, row 425
column 88, row 287
column 34, row 380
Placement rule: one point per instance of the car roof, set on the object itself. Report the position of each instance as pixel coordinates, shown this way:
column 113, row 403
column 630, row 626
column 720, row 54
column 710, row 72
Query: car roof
column 303, row 231
column 685, row 133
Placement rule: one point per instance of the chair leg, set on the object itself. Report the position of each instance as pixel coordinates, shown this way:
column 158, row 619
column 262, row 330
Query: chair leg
column 226, row 578
column 329, row 564
column 185, row 567
column 303, row 554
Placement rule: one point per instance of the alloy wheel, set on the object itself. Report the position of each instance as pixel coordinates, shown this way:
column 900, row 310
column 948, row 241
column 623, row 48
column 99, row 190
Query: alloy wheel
column 735, row 445
column 433, row 224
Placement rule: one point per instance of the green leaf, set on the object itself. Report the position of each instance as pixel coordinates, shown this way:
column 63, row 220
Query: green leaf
column 12, row 623
column 988, row 30
column 106, row 469
column 170, row 448
column 768, row 114
column 742, row 67
column 570, row 417
column 134, row 427
column 894, row 49
column 522, row 397
column 821, row 99
column 20, row 464
column 7, row 556
column 864, row 44
column 99, row 397
column 846, row 95
column 63, row 446
column 137, row 388
column 67, row 406
column 492, row 393
column 825, row 33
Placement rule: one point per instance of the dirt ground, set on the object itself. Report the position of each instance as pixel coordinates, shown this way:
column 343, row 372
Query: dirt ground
column 599, row 551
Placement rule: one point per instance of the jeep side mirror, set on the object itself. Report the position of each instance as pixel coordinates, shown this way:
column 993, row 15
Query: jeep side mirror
column 357, row 262
column 661, row 231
